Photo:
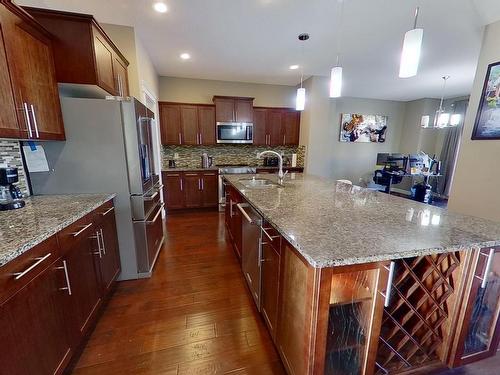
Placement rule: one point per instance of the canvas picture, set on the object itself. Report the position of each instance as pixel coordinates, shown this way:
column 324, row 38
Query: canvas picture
column 487, row 124
column 363, row 128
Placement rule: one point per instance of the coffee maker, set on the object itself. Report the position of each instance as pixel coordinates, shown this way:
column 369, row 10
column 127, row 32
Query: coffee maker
column 10, row 194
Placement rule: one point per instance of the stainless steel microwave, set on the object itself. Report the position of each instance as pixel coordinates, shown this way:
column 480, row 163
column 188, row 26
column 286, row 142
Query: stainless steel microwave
column 234, row 132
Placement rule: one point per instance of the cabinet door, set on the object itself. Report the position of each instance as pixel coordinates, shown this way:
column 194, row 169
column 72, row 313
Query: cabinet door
column 236, row 221
column 270, row 284
column 274, row 120
column 170, row 124
column 173, row 192
column 228, row 210
column 243, row 110
column 192, row 190
column 210, row 189
column 84, row 278
column 189, row 125
column 121, row 76
column 480, row 331
column 104, row 64
column 291, row 127
column 9, row 127
column 30, row 59
column 224, row 110
column 259, row 126
column 110, row 255
column 206, row 123
column 33, row 329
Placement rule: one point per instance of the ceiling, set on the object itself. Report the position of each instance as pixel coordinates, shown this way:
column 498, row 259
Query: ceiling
column 256, row 40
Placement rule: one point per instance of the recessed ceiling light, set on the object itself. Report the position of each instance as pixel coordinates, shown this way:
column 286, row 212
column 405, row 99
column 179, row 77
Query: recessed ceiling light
column 160, row 7
column 185, row 56
column 294, row 67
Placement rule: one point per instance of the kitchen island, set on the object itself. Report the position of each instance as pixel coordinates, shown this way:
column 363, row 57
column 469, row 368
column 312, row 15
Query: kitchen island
column 354, row 281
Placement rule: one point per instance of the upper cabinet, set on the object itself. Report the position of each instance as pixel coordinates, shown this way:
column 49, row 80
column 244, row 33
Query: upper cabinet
column 276, row 126
column 84, row 54
column 233, row 109
column 187, row 124
column 28, row 91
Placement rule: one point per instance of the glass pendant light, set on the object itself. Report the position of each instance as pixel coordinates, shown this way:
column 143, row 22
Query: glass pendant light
column 336, row 72
column 300, row 100
column 412, row 46
column 442, row 118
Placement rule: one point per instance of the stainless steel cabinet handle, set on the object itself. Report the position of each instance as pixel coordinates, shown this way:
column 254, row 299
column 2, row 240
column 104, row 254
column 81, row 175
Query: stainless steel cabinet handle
column 284, row 136
column 96, row 237
column 151, row 197
column 202, row 184
column 241, row 208
column 230, row 207
column 66, row 275
column 199, row 184
column 387, row 295
column 39, row 260
column 76, row 234
column 201, row 141
column 102, row 241
column 181, row 183
column 180, row 139
column 34, row 121
column 107, row 211
column 267, row 234
column 28, row 119
column 149, row 222
column 487, row 269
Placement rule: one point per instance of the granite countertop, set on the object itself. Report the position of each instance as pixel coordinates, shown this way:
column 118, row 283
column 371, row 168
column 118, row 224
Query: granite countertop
column 189, row 169
column 43, row 216
column 332, row 223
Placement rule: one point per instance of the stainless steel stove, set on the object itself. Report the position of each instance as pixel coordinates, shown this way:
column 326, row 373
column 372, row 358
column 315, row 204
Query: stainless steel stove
column 230, row 169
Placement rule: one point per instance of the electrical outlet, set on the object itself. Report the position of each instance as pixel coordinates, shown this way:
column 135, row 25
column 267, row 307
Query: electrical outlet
column 176, row 155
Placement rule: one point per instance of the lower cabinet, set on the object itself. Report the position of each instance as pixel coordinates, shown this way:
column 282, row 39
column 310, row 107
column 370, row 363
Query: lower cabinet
column 50, row 295
column 184, row 190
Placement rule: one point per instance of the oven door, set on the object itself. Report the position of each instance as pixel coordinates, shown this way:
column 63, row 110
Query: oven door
column 229, row 132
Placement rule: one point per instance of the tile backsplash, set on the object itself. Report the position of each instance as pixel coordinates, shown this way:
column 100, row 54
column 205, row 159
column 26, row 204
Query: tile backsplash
column 190, row 156
column 10, row 155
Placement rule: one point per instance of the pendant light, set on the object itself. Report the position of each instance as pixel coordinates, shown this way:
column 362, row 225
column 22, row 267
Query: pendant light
column 442, row 118
column 412, row 45
column 336, row 72
column 300, row 100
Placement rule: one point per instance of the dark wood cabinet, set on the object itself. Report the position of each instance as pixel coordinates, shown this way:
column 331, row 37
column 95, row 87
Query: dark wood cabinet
column 260, row 127
column 290, row 127
column 9, row 127
column 478, row 323
column 84, row 53
column 233, row 109
column 32, row 326
column 210, row 189
column 187, row 124
column 192, row 190
column 28, row 55
column 276, row 126
column 271, row 248
column 173, row 190
column 170, row 124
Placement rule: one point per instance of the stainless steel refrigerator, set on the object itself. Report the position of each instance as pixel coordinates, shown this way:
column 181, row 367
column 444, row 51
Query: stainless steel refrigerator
column 109, row 148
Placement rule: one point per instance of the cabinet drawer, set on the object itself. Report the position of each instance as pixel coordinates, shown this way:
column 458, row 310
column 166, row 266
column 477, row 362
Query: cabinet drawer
column 76, row 231
column 271, row 236
column 103, row 211
column 17, row 273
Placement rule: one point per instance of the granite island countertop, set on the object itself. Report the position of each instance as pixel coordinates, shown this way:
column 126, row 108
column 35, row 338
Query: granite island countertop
column 332, row 223
column 43, row 216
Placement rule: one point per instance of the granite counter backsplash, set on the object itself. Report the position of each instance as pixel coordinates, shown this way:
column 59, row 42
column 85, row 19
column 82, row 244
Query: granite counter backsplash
column 190, row 156
column 332, row 223
column 43, row 216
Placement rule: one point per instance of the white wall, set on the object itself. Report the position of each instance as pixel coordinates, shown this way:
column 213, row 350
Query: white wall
column 477, row 179
column 201, row 91
column 320, row 122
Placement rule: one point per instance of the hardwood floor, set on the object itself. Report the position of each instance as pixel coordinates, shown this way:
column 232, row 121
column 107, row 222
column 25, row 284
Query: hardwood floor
column 194, row 316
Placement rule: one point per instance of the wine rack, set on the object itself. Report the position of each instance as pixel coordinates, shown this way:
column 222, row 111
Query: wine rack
column 415, row 324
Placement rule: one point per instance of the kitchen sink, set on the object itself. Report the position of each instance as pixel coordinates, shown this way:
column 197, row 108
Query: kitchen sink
column 258, row 183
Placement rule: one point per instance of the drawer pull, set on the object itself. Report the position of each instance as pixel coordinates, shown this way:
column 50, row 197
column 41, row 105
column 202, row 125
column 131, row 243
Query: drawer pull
column 76, row 234
column 268, row 235
column 96, row 237
column 38, row 261
column 66, row 275
column 102, row 241
column 107, row 211
column 150, row 222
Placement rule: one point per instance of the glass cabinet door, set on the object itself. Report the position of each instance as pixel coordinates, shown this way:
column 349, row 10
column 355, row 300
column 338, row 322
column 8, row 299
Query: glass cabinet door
column 481, row 333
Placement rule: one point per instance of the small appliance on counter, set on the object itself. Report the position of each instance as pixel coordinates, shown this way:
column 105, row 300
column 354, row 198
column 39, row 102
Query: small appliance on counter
column 171, row 163
column 10, row 194
column 271, row 161
column 206, row 161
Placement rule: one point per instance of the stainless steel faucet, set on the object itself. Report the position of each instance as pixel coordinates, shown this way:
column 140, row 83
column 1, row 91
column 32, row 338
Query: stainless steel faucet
column 281, row 175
